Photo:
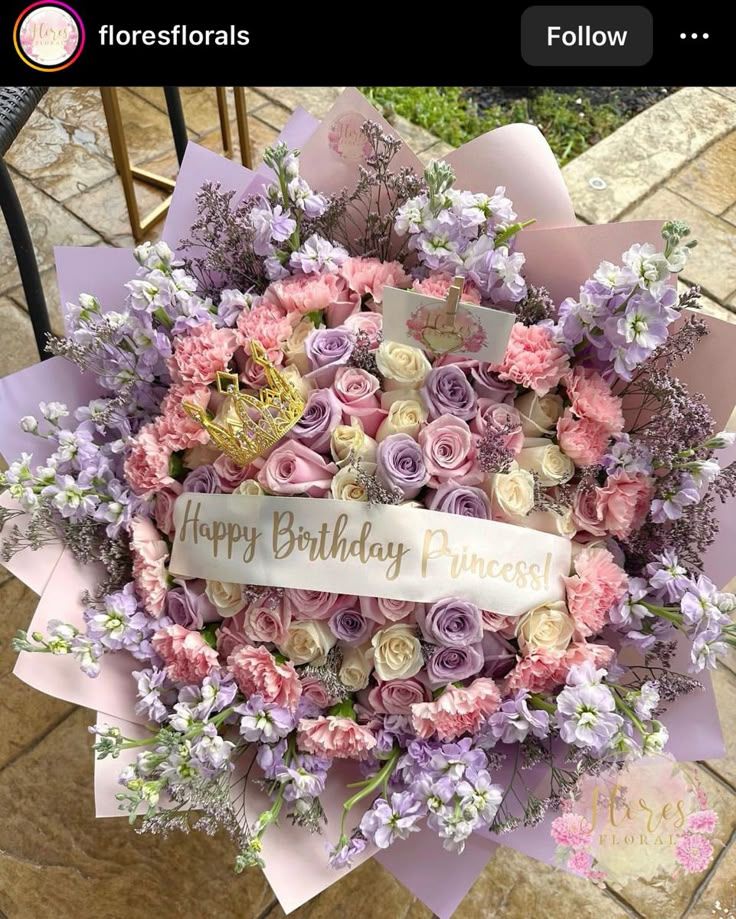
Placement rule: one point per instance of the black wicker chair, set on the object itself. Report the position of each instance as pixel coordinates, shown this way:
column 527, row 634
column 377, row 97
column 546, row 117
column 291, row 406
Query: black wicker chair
column 17, row 104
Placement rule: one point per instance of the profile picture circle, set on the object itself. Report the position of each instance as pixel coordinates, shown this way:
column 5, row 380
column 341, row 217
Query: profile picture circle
column 49, row 35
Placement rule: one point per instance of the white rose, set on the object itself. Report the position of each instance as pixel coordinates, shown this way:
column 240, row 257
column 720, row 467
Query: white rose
column 549, row 462
column 248, row 487
column 302, row 386
column 548, row 626
column 397, row 654
column 307, row 642
column 512, row 493
column 405, row 416
column 351, row 438
column 401, row 366
column 346, row 486
column 356, row 667
column 551, row 522
column 228, row 598
column 294, row 353
column 539, row 414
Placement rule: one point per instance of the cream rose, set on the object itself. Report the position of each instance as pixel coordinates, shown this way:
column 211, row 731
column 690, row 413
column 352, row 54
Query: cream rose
column 228, row 598
column 351, row 438
column 294, row 353
column 551, row 522
column 307, row 642
column 346, row 485
column 548, row 626
column 405, row 416
column 356, row 667
column 397, row 653
column 512, row 492
column 539, row 414
column 549, row 462
column 302, row 386
column 401, row 366
column 248, row 487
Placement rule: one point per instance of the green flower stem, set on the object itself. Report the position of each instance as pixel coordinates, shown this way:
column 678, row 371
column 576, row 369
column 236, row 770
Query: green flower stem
column 163, row 318
column 629, row 712
column 665, row 612
column 511, row 231
column 370, row 785
column 540, row 703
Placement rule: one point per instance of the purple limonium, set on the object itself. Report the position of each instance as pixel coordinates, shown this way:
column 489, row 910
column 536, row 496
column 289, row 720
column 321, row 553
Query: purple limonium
column 668, row 577
column 400, row 464
column 451, row 622
column 447, row 391
column 515, row 720
column 674, row 499
column 322, row 414
column 349, row 626
column 586, row 710
column 385, row 822
column 264, row 722
column 189, row 606
column 318, row 254
column 451, row 664
column 203, row 481
column 465, row 500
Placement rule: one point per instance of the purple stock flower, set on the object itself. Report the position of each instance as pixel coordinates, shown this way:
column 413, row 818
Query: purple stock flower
column 448, row 665
column 264, row 722
column 155, row 694
column 342, row 855
column 385, row 822
column 699, row 602
column 349, row 625
column 451, row 622
column 586, row 710
column 270, row 758
column 515, row 720
column 189, row 606
column 627, row 613
column 667, row 576
column 632, row 458
column 321, row 415
column 478, row 794
column 304, row 779
column 446, row 391
column 318, row 254
column 202, row 481
column 673, row 501
column 453, row 759
column 270, row 223
column 465, row 500
column 401, row 465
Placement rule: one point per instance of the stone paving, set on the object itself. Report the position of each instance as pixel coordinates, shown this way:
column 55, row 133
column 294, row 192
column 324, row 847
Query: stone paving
column 56, row 860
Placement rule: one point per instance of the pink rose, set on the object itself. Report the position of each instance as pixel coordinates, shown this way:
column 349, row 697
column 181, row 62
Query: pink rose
column 597, row 584
column 314, row 690
column 585, row 511
column 163, row 512
column 265, row 621
column 146, row 465
column 533, row 359
column 334, row 738
column 438, row 283
column 201, row 352
column 370, row 275
column 591, row 398
column 369, row 324
column 448, row 447
column 381, row 609
column 150, row 555
column 583, row 440
column 230, row 474
column 293, row 469
column 624, row 502
column 256, row 671
column 497, row 417
column 457, row 710
column 230, row 635
column 251, row 374
column 495, row 622
column 357, row 390
column 187, row 656
column 396, row 697
column 313, row 604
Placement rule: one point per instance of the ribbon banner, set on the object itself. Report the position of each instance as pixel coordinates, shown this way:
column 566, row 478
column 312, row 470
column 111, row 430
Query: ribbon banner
column 346, row 547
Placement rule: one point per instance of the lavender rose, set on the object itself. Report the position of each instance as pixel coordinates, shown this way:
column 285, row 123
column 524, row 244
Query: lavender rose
column 452, row 622
column 448, row 665
column 326, row 350
column 488, row 386
column 447, row 391
column 203, row 480
column 350, row 626
column 401, row 464
column 189, row 606
column 465, row 500
column 321, row 416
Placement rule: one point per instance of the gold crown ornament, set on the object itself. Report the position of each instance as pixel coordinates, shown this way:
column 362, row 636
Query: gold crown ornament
column 262, row 419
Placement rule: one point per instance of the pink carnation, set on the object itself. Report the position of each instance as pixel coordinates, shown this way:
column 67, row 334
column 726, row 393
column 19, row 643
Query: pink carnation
column 176, row 429
column 600, row 656
column 585, row 441
column 541, row 671
column 256, row 671
column 188, row 657
column 306, row 294
column 371, row 275
column 335, row 738
column 591, row 398
column 533, row 359
column 203, row 351
column 146, row 466
column 438, row 283
column 572, row 831
column 624, row 501
column 597, row 584
column 267, row 324
column 457, row 711
column 150, row 555
column 230, row 635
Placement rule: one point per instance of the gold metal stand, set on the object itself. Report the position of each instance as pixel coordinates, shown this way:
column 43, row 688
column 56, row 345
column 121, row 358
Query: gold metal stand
column 128, row 172
column 241, row 118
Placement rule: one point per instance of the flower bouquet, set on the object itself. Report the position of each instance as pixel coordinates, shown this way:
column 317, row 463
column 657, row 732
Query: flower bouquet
column 511, row 574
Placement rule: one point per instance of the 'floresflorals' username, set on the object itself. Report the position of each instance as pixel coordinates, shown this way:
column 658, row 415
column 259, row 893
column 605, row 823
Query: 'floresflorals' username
column 181, row 35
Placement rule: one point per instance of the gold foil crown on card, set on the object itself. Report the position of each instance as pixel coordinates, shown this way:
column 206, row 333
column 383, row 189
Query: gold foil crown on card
column 262, row 418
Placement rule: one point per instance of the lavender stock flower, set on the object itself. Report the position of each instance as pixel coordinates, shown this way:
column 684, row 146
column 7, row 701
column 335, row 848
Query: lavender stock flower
column 586, row 711
column 264, row 722
column 515, row 720
column 385, row 822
